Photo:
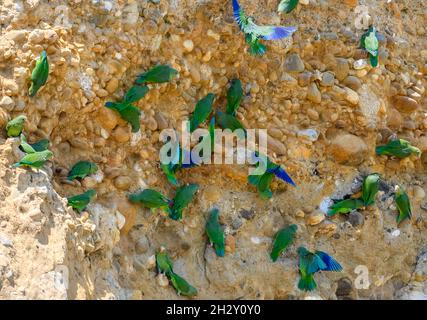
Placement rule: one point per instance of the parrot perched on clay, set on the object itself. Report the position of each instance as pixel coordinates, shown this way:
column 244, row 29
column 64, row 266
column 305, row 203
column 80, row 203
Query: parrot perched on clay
column 227, row 121
column 234, row 97
column 15, row 126
column 163, row 262
column 79, row 202
column 403, row 205
column 370, row 188
column 254, row 33
column 345, row 206
column 184, row 195
column 370, row 43
column 39, row 74
column 202, row 111
column 157, row 74
column 282, row 240
column 81, row 170
column 135, row 93
column 38, row 146
column 399, row 148
column 151, row 199
column 35, row 159
column 181, row 285
column 310, row 263
column 287, row 5
column 215, row 233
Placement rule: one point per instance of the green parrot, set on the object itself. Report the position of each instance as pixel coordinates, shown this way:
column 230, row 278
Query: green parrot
column 39, row 74
column 310, row 263
column 345, row 206
column 370, row 43
column 215, row 233
column 282, row 240
column 79, row 202
column 234, row 97
column 40, row 145
column 128, row 112
column 227, row 121
column 202, row 111
column 287, row 5
column 181, row 286
column 184, row 195
column 370, row 188
column 81, row 170
column 157, row 74
column 403, row 205
column 135, row 93
column 170, row 172
column 15, row 126
column 399, row 148
column 35, row 159
column 151, row 199
column 164, row 263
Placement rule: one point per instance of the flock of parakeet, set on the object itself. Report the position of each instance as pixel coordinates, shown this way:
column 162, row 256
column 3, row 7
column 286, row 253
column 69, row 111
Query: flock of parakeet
column 37, row 154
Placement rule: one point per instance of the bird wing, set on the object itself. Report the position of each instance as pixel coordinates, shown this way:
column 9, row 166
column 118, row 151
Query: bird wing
column 269, row 32
column 330, row 263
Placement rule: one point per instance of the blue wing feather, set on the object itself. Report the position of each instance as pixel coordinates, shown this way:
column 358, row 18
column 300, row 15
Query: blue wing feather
column 236, row 11
column 281, row 174
column 315, row 265
column 277, row 33
column 330, row 263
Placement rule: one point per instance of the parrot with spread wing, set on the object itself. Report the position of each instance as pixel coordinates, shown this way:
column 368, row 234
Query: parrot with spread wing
column 254, row 33
column 39, row 74
column 215, row 232
column 158, row 74
column 370, row 43
column 282, row 240
column 310, row 263
column 81, row 170
column 35, row 159
column 15, row 126
column 370, row 188
column 403, row 205
column 399, row 148
column 80, row 201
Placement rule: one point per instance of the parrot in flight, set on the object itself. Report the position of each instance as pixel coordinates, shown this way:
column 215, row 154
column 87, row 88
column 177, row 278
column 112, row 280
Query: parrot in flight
column 126, row 109
column 282, row 240
column 310, row 263
column 15, row 126
column 40, row 145
column 370, row 43
column 287, row 5
column 34, row 160
column 370, row 188
column 345, row 206
column 202, row 111
column 39, row 74
column 215, row 233
column 399, row 148
column 234, row 97
column 403, row 205
column 81, row 170
column 80, row 201
column 157, row 74
column 253, row 32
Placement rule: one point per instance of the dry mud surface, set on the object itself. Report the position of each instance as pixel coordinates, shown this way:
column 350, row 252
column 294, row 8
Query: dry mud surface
column 96, row 48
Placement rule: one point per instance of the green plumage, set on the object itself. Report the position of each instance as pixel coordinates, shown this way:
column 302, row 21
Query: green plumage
column 399, row 148
column 164, row 263
column 15, row 126
column 81, row 170
column 403, row 205
column 345, row 206
column 287, row 5
column 212, row 133
column 151, row 199
column 35, row 159
column 309, row 263
column 181, row 286
column 39, row 74
column 215, row 233
column 370, row 43
column 282, row 240
column 202, row 111
column 227, row 121
column 370, row 188
column 170, row 172
column 79, row 202
column 135, row 93
column 184, row 195
column 40, row 145
column 234, row 97
column 157, row 74
column 127, row 112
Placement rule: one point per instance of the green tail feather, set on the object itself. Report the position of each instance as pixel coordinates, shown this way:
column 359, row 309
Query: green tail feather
column 220, row 251
column 373, row 60
column 307, row 283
